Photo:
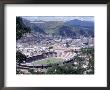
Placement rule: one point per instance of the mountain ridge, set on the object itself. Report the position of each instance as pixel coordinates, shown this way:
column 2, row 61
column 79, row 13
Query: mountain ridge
column 72, row 29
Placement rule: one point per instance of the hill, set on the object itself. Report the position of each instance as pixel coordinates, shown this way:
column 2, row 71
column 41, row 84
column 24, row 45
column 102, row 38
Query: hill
column 73, row 28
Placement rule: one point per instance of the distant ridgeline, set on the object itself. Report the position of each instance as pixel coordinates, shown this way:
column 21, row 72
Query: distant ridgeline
column 69, row 29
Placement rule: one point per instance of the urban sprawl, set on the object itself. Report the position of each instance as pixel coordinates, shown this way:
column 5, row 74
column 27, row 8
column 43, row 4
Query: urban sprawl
column 61, row 49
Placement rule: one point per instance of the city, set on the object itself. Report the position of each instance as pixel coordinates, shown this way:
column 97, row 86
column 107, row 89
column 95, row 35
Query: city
column 46, row 51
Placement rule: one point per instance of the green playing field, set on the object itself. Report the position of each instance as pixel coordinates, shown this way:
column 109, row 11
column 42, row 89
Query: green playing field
column 46, row 61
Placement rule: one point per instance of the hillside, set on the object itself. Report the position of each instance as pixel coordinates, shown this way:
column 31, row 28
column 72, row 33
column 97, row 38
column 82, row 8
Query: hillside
column 73, row 28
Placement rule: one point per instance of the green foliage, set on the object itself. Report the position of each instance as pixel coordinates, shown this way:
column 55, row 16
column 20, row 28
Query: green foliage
column 64, row 69
column 21, row 28
column 87, row 51
column 20, row 57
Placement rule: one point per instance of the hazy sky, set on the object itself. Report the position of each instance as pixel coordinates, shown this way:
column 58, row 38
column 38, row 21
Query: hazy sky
column 58, row 18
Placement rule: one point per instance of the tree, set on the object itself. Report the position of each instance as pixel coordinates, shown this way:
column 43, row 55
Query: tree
column 20, row 57
column 64, row 69
column 21, row 28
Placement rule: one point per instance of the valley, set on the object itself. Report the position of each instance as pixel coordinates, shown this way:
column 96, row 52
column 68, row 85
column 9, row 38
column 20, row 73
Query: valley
column 55, row 42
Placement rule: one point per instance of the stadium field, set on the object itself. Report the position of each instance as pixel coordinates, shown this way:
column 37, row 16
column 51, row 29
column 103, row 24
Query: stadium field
column 51, row 60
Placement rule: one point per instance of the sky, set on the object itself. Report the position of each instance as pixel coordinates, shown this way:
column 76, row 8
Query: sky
column 58, row 18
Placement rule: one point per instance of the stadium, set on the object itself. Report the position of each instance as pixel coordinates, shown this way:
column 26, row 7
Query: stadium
column 53, row 56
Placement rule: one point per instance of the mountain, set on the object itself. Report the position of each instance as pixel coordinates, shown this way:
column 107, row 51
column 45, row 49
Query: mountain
column 73, row 28
column 49, row 27
column 84, row 28
column 33, row 27
column 66, row 31
column 80, row 23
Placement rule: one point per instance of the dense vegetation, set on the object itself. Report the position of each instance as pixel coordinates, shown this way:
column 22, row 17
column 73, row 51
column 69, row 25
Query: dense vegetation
column 20, row 57
column 21, row 28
